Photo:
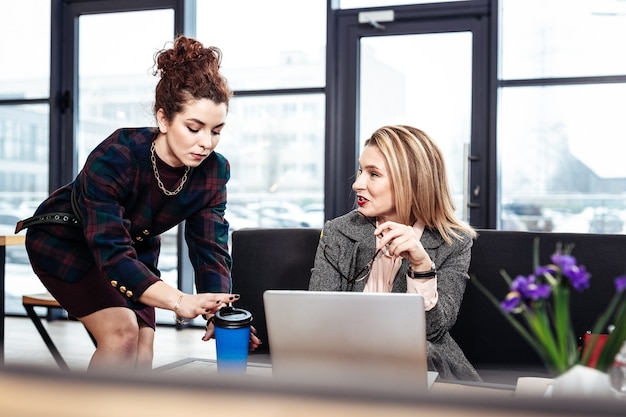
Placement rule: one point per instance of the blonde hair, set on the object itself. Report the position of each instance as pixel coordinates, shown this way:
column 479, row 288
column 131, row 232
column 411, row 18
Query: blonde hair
column 418, row 175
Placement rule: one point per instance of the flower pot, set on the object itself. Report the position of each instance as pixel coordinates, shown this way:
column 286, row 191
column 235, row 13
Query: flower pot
column 582, row 381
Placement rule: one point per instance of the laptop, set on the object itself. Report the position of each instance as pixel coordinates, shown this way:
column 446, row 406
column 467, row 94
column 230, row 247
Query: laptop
column 362, row 342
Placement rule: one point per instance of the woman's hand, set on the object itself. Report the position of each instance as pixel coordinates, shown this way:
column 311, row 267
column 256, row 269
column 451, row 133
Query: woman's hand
column 210, row 333
column 254, row 341
column 190, row 306
column 402, row 241
column 185, row 306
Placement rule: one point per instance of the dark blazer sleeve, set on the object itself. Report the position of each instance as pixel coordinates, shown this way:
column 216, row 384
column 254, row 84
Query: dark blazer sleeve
column 206, row 232
column 452, row 263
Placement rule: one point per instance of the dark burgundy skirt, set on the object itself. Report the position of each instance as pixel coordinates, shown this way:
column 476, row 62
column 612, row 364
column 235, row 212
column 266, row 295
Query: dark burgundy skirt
column 92, row 293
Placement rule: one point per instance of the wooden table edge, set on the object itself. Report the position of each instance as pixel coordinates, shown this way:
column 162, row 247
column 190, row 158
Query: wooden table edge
column 8, row 240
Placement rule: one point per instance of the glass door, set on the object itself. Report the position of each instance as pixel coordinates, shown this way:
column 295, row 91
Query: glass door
column 422, row 80
column 431, row 73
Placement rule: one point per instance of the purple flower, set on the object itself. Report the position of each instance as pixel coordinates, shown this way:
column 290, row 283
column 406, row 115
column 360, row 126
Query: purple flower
column 539, row 306
column 519, row 283
column 545, row 269
column 563, row 261
column 578, row 276
column 511, row 301
column 529, row 288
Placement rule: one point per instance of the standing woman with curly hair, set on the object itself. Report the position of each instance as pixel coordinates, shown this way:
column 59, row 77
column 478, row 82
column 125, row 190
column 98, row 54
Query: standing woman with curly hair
column 94, row 243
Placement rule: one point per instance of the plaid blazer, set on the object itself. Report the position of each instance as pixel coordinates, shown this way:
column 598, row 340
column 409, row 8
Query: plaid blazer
column 121, row 225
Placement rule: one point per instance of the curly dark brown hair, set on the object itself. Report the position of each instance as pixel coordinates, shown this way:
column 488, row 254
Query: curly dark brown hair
column 188, row 71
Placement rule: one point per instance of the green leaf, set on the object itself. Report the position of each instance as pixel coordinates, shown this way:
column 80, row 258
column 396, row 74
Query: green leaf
column 540, row 325
column 566, row 341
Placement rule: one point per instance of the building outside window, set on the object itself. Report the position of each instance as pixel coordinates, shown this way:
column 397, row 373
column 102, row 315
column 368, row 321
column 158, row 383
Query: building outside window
column 560, row 131
column 275, row 127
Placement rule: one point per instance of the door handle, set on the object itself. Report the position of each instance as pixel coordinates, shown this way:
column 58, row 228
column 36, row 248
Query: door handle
column 467, row 204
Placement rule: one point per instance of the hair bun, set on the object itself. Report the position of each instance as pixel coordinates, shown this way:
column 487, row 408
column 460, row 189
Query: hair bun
column 188, row 69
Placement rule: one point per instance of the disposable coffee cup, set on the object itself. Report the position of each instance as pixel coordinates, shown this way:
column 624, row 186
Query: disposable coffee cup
column 232, row 336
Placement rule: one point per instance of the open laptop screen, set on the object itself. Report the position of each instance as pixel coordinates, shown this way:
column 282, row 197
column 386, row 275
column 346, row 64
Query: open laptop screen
column 363, row 341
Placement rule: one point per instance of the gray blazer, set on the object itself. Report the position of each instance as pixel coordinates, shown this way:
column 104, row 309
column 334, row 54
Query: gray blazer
column 347, row 244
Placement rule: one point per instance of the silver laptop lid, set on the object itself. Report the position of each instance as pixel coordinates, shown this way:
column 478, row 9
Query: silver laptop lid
column 357, row 341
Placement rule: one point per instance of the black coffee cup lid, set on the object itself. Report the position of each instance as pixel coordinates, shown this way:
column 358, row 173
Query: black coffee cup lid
column 232, row 317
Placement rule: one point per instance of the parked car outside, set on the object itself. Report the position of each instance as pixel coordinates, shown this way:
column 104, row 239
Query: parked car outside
column 278, row 214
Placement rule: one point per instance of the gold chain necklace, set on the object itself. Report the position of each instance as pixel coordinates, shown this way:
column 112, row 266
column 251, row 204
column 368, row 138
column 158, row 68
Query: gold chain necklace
column 158, row 178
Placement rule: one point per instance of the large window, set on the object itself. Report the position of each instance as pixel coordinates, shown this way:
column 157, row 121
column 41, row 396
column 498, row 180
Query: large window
column 560, row 124
column 274, row 136
column 561, row 83
column 115, row 82
column 24, row 132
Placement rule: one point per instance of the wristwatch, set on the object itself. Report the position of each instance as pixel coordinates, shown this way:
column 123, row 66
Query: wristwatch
column 423, row 274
